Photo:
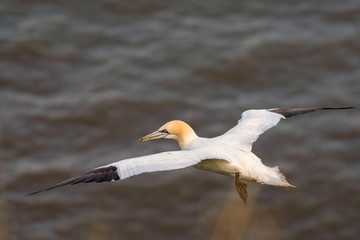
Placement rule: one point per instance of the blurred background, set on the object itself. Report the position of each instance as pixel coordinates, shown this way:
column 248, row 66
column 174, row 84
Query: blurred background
column 81, row 81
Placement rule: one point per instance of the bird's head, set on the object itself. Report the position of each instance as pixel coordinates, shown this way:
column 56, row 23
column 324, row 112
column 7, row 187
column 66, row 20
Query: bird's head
column 176, row 129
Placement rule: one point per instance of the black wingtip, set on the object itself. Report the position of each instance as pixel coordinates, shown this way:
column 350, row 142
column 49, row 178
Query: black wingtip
column 104, row 174
column 42, row 190
column 339, row 108
column 291, row 112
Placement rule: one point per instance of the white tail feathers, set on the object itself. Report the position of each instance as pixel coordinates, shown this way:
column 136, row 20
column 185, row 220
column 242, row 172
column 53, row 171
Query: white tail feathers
column 274, row 177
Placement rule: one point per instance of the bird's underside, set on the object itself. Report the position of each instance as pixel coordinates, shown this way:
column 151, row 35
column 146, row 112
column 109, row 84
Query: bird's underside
column 251, row 124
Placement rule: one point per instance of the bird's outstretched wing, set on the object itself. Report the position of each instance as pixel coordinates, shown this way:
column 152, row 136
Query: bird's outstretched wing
column 255, row 122
column 151, row 163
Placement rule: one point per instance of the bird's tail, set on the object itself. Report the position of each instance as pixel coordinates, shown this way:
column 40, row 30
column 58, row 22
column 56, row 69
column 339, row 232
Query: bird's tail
column 274, row 177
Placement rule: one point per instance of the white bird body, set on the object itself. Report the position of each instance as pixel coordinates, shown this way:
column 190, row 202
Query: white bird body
column 222, row 154
column 208, row 154
column 228, row 154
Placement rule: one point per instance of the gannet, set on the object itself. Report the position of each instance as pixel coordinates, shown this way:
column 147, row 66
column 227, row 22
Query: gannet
column 229, row 154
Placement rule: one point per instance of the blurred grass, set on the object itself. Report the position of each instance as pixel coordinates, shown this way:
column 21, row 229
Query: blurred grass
column 3, row 200
column 237, row 221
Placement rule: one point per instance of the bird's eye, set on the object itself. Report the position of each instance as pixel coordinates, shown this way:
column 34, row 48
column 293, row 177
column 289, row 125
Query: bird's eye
column 165, row 131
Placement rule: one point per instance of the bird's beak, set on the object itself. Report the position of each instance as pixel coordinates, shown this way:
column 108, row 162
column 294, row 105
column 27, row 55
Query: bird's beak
column 152, row 136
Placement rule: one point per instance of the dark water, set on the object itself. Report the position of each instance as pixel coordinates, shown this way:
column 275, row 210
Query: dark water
column 81, row 81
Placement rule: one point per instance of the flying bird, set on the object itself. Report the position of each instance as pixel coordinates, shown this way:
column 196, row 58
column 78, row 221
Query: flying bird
column 228, row 154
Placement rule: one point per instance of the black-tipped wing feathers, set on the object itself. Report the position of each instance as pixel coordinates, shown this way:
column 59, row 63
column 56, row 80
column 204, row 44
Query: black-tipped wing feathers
column 133, row 166
column 291, row 112
column 255, row 122
column 105, row 174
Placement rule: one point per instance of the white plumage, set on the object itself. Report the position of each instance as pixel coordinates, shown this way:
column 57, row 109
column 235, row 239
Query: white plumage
column 228, row 154
column 249, row 127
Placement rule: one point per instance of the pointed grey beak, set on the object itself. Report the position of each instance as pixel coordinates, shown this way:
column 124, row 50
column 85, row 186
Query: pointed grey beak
column 155, row 135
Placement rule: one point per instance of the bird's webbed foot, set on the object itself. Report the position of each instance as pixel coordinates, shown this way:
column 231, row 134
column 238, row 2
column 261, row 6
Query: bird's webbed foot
column 241, row 188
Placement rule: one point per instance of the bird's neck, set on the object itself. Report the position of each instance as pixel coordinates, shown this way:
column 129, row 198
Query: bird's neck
column 185, row 141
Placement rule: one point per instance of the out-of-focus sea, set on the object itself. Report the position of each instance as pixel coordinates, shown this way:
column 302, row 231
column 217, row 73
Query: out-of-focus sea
column 81, row 81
